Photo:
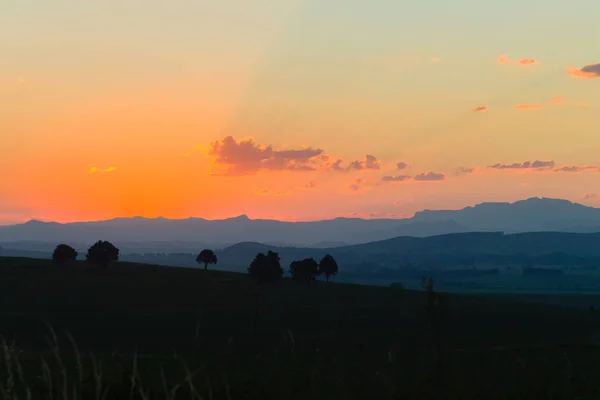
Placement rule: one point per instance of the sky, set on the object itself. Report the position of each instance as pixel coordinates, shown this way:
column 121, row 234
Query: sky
column 294, row 109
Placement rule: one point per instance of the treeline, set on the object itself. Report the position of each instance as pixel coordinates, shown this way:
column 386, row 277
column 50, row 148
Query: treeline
column 264, row 268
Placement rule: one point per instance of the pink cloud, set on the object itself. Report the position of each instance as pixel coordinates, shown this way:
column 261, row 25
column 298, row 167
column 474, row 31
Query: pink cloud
column 589, row 71
column 504, row 59
column 528, row 107
column 480, row 108
column 559, row 100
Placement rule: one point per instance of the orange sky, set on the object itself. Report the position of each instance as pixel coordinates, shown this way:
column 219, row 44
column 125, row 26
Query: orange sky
column 121, row 118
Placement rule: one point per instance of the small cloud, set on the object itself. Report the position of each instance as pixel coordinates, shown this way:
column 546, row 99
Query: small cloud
column 337, row 165
column 430, row 176
column 560, row 100
column 528, row 107
column 311, row 185
column 95, row 170
column 504, row 59
column 369, row 162
column 589, row 71
column 401, row 165
column 576, row 168
column 461, row 171
column 525, row 165
column 436, row 59
column 398, row 178
column 480, row 108
column 590, row 196
column 356, row 186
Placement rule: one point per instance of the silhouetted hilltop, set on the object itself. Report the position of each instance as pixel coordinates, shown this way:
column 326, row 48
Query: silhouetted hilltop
column 535, row 214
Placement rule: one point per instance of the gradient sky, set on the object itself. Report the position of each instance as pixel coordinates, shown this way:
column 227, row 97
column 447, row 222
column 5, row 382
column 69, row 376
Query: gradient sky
column 294, row 109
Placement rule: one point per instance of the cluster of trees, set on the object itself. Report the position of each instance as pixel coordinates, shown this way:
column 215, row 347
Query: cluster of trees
column 100, row 253
column 308, row 269
column 264, row 267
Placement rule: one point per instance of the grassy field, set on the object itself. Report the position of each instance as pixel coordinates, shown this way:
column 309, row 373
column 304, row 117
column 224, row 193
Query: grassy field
column 146, row 332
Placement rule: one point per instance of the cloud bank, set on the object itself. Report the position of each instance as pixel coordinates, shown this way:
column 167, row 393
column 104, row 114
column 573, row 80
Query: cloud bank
column 246, row 157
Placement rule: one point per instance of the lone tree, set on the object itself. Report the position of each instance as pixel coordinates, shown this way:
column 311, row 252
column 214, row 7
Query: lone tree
column 206, row 257
column 63, row 254
column 266, row 267
column 328, row 266
column 102, row 253
column 305, row 270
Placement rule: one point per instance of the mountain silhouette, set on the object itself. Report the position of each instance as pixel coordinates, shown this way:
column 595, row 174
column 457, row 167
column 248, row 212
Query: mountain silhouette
column 531, row 215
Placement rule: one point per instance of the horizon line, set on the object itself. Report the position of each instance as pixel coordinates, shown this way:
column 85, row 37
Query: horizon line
column 240, row 216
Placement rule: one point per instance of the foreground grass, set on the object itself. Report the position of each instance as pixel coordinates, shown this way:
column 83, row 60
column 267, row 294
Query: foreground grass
column 143, row 332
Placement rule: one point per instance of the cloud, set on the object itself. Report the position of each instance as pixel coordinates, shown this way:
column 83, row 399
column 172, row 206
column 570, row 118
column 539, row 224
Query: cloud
column 311, row 185
column 461, row 171
column 398, row 178
column 590, row 196
column 589, row 71
column 436, row 59
column 357, row 185
column 576, row 168
column 337, row 165
column 525, row 165
column 559, row 100
column 401, row 165
column 430, row 176
column 528, row 107
column 480, row 108
column 369, row 162
column 96, row 170
column 504, row 59
column 246, row 157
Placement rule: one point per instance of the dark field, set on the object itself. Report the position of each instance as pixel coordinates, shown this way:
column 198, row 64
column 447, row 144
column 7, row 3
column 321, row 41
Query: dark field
column 188, row 333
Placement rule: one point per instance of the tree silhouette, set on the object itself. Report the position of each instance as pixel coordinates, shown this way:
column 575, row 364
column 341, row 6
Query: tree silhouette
column 266, row 268
column 305, row 270
column 64, row 253
column 206, row 257
column 102, row 253
column 328, row 266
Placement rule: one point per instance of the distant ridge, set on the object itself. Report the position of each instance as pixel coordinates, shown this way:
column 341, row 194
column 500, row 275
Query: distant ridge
column 530, row 215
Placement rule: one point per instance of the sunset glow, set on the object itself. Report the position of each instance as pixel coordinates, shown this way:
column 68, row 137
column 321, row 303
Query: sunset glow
column 295, row 109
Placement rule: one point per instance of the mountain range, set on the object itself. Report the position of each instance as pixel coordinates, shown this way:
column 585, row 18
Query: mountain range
column 161, row 234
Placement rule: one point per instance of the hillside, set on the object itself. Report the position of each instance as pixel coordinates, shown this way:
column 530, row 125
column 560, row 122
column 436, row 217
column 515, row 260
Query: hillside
column 274, row 345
